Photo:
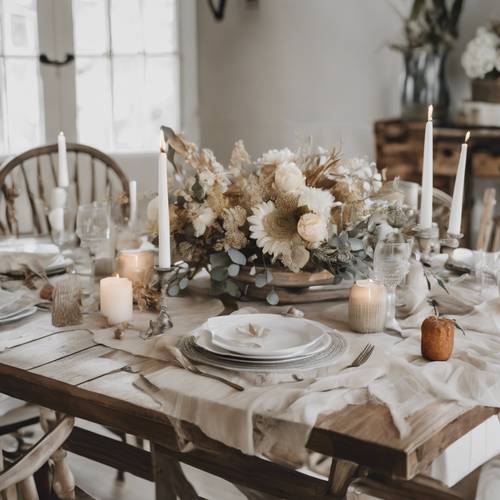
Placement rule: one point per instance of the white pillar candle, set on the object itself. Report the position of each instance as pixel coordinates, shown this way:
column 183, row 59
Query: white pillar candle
column 425, row 219
column 163, row 215
column 62, row 170
column 367, row 306
column 455, row 222
column 116, row 299
column 132, row 195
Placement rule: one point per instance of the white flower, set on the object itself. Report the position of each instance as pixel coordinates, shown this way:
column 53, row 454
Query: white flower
column 276, row 157
column 317, row 200
column 288, row 177
column 152, row 210
column 482, row 54
column 312, row 228
column 203, row 218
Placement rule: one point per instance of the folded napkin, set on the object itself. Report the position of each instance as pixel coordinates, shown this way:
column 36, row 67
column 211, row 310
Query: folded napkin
column 16, row 255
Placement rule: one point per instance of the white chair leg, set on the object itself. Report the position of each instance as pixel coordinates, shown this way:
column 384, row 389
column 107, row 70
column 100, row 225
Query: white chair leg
column 28, row 489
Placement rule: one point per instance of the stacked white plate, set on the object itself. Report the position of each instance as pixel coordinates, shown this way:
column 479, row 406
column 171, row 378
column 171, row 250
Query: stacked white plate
column 262, row 342
column 15, row 306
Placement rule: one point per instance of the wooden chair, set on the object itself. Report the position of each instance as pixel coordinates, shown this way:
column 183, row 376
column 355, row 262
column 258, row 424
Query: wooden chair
column 486, row 224
column 18, row 477
column 26, row 182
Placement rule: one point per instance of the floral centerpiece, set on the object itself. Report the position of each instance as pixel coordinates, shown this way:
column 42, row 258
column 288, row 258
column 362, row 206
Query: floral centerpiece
column 295, row 211
column 481, row 61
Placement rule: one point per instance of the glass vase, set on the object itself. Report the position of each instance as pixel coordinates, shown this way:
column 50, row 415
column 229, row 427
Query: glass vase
column 424, row 82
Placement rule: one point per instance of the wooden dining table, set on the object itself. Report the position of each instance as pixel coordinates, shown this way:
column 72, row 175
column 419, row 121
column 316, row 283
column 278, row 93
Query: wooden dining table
column 68, row 372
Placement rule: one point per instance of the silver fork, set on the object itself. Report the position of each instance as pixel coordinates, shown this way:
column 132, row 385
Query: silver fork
column 362, row 357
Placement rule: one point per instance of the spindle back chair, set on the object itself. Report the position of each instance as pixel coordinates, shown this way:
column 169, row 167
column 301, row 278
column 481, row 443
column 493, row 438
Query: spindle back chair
column 27, row 180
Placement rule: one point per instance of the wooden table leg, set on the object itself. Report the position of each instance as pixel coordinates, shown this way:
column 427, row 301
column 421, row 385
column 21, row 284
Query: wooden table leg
column 342, row 473
column 170, row 481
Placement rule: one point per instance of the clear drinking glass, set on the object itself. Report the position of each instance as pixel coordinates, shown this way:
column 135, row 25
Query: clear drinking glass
column 391, row 263
column 93, row 227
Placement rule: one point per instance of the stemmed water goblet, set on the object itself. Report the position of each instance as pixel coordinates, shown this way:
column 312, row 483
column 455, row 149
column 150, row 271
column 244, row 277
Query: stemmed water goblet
column 391, row 263
column 93, row 227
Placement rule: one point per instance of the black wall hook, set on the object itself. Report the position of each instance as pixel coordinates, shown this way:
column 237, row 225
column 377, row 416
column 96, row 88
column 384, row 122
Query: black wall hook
column 44, row 59
column 218, row 12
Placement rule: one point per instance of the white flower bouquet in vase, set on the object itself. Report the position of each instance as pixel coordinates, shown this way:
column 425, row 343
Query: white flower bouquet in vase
column 481, row 61
column 273, row 227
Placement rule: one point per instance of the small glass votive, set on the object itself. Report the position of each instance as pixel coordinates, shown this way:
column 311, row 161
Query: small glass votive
column 136, row 266
column 367, row 306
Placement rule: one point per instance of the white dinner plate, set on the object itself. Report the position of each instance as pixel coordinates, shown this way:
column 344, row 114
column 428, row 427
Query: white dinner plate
column 18, row 315
column 283, row 335
column 203, row 341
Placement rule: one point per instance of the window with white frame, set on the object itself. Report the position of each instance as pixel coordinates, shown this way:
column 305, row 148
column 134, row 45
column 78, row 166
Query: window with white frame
column 127, row 71
column 21, row 115
column 122, row 85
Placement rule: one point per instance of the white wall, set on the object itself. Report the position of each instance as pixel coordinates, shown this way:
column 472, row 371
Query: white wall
column 275, row 68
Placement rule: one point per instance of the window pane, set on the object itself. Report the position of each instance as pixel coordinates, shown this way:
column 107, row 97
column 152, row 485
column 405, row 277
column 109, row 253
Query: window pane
column 90, row 27
column 24, row 121
column 162, row 97
column 93, row 101
column 20, row 31
column 3, row 145
column 128, row 89
column 126, row 30
column 159, row 26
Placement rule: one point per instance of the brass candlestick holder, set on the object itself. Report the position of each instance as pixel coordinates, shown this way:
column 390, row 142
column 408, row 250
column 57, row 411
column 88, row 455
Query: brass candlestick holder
column 163, row 323
column 428, row 240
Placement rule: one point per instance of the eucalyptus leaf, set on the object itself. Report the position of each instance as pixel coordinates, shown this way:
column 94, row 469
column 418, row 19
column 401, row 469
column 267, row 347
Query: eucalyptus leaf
column 233, row 270
column 260, row 280
column 356, row 245
column 219, row 273
column 269, row 276
column 217, row 287
column 237, row 257
column 273, row 298
column 173, row 290
column 183, row 283
column 233, row 289
column 219, row 259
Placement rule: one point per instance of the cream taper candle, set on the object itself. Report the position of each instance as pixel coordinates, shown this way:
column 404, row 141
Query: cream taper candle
column 132, row 195
column 425, row 219
column 367, row 306
column 116, row 299
column 455, row 222
column 163, row 214
column 62, row 170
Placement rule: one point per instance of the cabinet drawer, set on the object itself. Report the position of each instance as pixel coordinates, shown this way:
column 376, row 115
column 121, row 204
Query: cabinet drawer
column 486, row 165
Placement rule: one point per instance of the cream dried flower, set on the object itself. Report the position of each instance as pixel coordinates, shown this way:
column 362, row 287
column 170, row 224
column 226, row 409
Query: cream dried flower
column 312, row 228
column 288, row 178
column 276, row 233
column 202, row 218
column 276, row 157
column 317, row 200
column 239, row 158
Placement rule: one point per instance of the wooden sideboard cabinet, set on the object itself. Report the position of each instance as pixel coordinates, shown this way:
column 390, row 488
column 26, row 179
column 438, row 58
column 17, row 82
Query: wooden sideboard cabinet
column 399, row 149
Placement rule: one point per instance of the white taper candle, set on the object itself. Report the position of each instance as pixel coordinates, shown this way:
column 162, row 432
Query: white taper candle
column 163, row 214
column 132, row 194
column 425, row 219
column 62, row 170
column 455, row 222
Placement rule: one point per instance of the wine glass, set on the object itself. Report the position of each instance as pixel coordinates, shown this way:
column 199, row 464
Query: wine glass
column 391, row 263
column 93, row 227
